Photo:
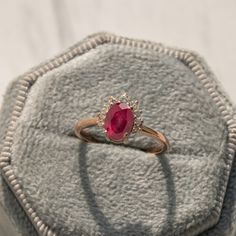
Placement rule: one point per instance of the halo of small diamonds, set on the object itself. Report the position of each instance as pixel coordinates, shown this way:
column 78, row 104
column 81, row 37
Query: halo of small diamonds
column 132, row 105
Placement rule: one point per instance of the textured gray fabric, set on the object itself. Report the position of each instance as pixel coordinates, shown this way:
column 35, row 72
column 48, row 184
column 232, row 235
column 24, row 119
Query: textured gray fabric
column 117, row 190
column 7, row 200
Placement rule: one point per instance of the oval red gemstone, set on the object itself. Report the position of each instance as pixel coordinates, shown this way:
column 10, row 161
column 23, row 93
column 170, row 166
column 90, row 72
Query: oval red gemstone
column 119, row 120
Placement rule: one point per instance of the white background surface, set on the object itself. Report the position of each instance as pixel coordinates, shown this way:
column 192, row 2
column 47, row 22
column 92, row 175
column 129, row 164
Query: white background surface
column 32, row 31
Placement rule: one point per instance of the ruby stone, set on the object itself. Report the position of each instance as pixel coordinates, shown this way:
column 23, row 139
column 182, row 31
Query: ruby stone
column 119, row 120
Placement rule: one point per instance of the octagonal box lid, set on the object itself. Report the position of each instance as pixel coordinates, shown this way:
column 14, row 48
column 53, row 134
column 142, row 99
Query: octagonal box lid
column 68, row 187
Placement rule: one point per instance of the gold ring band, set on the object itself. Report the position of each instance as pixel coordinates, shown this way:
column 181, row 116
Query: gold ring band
column 87, row 137
column 119, row 118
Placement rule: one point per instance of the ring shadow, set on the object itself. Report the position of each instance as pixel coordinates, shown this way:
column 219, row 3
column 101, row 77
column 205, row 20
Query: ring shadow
column 138, row 229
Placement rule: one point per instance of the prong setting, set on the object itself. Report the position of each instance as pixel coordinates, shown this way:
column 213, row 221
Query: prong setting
column 126, row 138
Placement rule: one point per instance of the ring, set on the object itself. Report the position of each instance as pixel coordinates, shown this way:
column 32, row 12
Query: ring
column 120, row 118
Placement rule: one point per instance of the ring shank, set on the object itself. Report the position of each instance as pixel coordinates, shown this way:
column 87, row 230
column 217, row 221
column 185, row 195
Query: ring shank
column 157, row 135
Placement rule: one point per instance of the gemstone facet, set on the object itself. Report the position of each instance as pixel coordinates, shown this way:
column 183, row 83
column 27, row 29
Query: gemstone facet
column 119, row 121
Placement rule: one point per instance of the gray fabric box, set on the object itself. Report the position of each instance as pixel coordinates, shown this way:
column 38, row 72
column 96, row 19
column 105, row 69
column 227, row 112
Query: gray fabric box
column 62, row 186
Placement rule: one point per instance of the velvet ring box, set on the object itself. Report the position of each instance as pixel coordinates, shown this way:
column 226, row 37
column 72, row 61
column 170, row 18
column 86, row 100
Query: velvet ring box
column 54, row 184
